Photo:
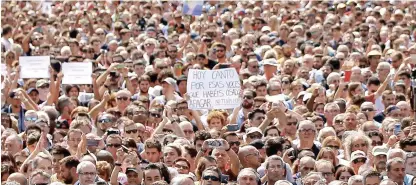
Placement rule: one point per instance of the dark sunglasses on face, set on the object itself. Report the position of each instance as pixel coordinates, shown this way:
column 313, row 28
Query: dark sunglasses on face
column 114, row 145
column 359, row 160
column 123, row 98
column 210, row 177
column 104, row 121
column 131, row 131
column 333, row 147
column 156, row 115
column 367, row 110
column 237, row 143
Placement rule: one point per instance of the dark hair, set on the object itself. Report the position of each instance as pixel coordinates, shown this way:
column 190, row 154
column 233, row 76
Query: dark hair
column 59, row 150
column 407, row 142
column 273, row 145
column 371, row 173
column 270, row 128
column 373, row 81
column 202, row 135
column 152, row 166
column 164, row 172
column 190, row 150
column 252, row 113
column 375, row 133
column 6, row 29
column 335, row 63
column 153, row 143
column 6, row 156
column 343, row 169
column 70, row 162
column 69, row 87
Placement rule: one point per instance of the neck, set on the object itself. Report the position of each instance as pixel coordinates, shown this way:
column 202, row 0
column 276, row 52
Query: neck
column 221, row 60
column 305, row 144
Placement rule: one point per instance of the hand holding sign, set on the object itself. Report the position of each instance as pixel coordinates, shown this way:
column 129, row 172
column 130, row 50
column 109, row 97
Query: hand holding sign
column 219, row 89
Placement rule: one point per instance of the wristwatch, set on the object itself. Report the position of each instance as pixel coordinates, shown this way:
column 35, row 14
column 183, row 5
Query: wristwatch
column 117, row 164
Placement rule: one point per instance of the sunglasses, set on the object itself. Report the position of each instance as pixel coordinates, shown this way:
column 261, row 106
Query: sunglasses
column 123, row 98
column 131, row 131
column 155, row 115
column 210, row 177
column 237, row 143
column 31, row 119
column 104, row 121
column 114, row 145
column 360, row 160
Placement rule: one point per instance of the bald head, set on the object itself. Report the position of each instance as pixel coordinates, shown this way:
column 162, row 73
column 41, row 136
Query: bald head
column 18, row 177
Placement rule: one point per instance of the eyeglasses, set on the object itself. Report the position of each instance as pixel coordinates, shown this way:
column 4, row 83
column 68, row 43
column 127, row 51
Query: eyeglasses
column 307, row 130
column 41, row 184
column 114, row 145
column 88, row 173
column 286, row 82
column 104, row 121
column 123, row 98
column 237, row 143
column 360, row 160
column 31, row 119
column 210, row 177
column 333, row 147
column 188, row 131
column 131, row 131
column 181, row 167
column 156, row 115
column 248, row 97
column 219, row 50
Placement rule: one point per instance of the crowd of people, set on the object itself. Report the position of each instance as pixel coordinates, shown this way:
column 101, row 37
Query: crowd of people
column 326, row 93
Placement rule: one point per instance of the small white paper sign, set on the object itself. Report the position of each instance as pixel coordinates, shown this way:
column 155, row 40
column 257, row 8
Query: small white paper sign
column 34, row 66
column 77, row 73
column 213, row 89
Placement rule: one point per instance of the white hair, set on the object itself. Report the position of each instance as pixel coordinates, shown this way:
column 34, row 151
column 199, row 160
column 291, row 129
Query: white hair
column 84, row 164
column 326, row 130
column 332, row 77
column 355, row 179
column 395, row 150
column 180, row 179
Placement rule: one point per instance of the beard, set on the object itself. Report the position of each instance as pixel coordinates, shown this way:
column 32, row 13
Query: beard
column 247, row 105
column 68, row 180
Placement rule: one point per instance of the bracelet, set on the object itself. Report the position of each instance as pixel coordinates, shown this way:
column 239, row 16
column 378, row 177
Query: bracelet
column 229, row 148
column 117, row 164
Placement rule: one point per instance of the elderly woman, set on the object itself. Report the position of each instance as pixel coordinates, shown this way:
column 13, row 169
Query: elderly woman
column 356, row 142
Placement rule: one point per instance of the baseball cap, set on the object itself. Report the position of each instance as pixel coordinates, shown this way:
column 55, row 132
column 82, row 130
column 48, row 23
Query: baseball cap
column 379, row 150
column 253, row 130
column 341, row 5
column 270, row 61
column 32, row 89
column 265, row 28
column 132, row 170
column 41, row 82
column 170, row 81
column 374, row 53
column 357, row 154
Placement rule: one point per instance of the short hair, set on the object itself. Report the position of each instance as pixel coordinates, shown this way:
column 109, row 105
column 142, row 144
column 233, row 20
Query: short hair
column 41, row 173
column 252, row 113
column 174, row 147
column 82, row 165
column 40, row 156
column 342, row 169
column 62, row 103
column 182, row 159
column 152, row 166
column 371, row 173
column 70, row 162
column 213, row 169
column 394, row 160
column 273, row 145
column 248, row 170
column 59, row 150
column 189, row 149
column 73, row 130
column 178, row 180
column 160, row 182
column 103, row 167
column 354, row 179
column 275, row 158
column 217, row 115
column 153, row 143
column 202, row 135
